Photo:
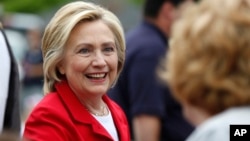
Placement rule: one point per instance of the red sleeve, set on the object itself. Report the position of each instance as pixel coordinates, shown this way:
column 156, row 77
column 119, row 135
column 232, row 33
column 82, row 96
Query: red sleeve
column 45, row 125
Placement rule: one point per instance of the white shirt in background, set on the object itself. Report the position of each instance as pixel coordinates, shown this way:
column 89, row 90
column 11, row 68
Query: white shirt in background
column 4, row 77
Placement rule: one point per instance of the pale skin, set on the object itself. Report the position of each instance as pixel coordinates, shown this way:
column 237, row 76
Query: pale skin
column 146, row 128
column 194, row 114
column 90, row 62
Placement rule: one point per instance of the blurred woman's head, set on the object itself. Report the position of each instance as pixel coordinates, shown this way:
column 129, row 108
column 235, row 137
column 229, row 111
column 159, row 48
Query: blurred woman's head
column 207, row 65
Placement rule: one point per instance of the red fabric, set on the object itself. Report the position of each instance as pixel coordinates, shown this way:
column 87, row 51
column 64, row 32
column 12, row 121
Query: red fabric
column 61, row 117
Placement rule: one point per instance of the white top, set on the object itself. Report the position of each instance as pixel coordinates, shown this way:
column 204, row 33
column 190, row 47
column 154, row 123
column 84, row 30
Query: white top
column 4, row 77
column 108, row 123
column 217, row 128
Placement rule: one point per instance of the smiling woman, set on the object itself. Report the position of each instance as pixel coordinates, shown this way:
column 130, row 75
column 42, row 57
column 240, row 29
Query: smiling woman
column 89, row 60
column 83, row 51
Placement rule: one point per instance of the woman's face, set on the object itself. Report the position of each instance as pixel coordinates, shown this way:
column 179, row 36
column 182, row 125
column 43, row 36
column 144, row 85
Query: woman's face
column 90, row 59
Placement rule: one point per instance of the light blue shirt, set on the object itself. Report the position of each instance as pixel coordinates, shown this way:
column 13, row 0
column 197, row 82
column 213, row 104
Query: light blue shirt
column 217, row 128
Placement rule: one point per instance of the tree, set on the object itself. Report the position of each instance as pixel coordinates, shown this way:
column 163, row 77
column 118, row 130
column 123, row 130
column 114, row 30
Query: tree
column 30, row 6
column 137, row 2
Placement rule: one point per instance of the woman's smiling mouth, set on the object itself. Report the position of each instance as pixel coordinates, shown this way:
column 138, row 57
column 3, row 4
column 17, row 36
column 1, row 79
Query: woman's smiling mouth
column 96, row 75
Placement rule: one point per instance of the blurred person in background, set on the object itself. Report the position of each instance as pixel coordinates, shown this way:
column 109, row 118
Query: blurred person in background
column 24, row 32
column 33, row 60
column 10, row 86
column 32, row 64
column 207, row 67
column 83, row 51
column 152, row 112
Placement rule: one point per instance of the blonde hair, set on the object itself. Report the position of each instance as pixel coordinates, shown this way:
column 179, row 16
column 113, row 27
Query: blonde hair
column 59, row 28
column 208, row 63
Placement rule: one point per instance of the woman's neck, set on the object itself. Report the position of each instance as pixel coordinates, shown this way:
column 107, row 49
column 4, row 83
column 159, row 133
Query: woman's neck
column 95, row 106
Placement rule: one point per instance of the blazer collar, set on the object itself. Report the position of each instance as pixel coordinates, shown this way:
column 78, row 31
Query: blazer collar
column 77, row 111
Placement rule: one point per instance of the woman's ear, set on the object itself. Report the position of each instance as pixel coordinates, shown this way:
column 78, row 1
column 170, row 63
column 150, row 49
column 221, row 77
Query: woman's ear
column 61, row 68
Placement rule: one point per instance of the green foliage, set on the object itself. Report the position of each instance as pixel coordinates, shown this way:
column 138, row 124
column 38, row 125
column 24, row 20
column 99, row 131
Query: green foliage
column 137, row 2
column 30, row 6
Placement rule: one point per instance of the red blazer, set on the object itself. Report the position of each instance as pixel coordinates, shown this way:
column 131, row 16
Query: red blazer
column 61, row 117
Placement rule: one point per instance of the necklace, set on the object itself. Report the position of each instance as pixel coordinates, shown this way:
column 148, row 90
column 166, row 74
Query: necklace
column 104, row 111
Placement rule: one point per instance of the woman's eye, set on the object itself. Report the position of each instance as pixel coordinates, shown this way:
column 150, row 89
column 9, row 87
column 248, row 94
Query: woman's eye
column 109, row 49
column 84, row 50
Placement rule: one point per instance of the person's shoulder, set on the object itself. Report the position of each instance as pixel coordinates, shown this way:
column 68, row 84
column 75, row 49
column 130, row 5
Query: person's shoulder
column 210, row 131
column 48, row 120
column 50, row 104
column 145, row 39
column 52, row 98
column 216, row 127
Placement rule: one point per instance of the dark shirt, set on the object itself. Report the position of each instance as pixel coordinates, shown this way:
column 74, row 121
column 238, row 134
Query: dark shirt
column 33, row 58
column 138, row 90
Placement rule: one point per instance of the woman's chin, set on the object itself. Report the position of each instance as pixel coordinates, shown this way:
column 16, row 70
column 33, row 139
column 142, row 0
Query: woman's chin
column 99, row 90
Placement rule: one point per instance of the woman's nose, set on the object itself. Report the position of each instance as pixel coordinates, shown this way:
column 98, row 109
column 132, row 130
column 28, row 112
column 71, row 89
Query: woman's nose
column 99, row 59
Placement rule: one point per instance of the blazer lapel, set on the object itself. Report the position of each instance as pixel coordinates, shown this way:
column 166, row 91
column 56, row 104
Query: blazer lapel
column 78, row 112
column 119, row 119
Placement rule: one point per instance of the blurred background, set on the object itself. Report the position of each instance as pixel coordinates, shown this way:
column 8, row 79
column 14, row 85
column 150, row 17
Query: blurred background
column 24, row 22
